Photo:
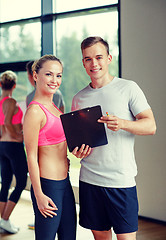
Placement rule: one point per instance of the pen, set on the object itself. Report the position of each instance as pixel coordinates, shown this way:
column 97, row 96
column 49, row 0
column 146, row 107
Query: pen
column 107, row 114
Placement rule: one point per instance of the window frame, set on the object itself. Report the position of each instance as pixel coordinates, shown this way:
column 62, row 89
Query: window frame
column 47, row 19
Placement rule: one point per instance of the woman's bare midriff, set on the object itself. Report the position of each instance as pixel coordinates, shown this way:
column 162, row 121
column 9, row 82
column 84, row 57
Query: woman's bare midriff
column 53, row 162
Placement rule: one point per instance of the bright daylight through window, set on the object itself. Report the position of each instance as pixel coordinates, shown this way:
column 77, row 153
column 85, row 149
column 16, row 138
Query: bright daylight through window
column 21, row 40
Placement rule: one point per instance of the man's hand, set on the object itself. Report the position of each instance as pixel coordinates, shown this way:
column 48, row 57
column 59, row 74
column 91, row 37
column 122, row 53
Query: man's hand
column 113, row 123
column 144, row 123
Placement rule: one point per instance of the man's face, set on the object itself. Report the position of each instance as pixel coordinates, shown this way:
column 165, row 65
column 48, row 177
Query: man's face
column 96, row 61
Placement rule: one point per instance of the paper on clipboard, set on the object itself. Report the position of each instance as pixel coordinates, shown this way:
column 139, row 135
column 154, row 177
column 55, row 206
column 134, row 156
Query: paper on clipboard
column 81, row 127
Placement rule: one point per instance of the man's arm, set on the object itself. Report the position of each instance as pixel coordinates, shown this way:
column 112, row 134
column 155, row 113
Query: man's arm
column 144, row 124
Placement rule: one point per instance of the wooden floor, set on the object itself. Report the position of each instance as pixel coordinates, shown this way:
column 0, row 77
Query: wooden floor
column 151, row 231
column 23, row 215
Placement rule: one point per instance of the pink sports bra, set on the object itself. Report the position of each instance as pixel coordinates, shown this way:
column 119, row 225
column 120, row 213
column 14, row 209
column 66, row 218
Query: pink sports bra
column 17, row 118
column 52, row 132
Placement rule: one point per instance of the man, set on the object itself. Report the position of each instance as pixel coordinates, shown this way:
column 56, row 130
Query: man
column 57, row 98
column 108, row 196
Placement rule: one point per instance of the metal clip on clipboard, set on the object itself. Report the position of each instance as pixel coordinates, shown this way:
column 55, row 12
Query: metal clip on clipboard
column 81, row 127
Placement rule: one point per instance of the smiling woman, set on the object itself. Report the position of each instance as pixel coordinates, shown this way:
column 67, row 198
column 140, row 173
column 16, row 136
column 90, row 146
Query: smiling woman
column 49, row 75
column 45, row 142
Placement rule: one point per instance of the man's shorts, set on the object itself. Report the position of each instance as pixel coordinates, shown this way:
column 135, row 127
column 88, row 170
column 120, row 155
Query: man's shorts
column 103, row 208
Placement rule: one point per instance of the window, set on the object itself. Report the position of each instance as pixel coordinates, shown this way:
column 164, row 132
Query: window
column 19, row 9
column 20, row 42
column 29, row 29
column 20, row 39
column 70, row 29
column 63, row 5
column 68, row 40
column 23, row 86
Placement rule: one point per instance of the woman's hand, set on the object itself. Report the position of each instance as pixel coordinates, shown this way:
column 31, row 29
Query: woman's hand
column 46, row 206
column 83, row 152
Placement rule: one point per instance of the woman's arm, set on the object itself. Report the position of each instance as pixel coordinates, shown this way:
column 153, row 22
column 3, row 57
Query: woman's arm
column 31, row 127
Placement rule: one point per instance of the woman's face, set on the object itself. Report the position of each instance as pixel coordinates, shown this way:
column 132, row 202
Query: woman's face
column 49, row 77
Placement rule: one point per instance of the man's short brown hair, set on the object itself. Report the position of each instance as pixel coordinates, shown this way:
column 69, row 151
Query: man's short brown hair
column 90, row 41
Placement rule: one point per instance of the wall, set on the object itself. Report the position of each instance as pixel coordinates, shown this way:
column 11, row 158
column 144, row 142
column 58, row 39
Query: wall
column 143, row 45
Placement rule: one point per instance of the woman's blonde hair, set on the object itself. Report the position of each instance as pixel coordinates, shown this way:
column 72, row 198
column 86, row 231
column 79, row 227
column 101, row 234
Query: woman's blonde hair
column 8, row 80
column 38, row 64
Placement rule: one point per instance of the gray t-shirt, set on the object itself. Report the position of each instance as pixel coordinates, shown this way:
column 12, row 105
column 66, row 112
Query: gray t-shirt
column 112, row 165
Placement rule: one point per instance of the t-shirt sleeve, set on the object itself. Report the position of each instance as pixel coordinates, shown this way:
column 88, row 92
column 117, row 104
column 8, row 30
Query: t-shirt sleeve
column 138, row 102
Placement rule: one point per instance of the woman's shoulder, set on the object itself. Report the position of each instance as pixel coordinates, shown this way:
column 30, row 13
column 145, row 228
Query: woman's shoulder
column 33, row 109
column 32, row 120
column 10, row 99
column 34, row 112
column 9, row 102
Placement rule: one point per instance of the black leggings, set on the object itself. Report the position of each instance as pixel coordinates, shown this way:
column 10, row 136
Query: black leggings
column 64, row 224
column 13, row 162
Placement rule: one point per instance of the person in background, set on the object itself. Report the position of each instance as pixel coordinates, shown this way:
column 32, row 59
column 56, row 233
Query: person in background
column 46, row 148
column 108, row 196
column 12, row 154
column 57, row 97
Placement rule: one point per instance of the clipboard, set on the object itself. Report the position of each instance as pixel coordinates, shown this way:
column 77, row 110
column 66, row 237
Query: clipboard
column 81, row 127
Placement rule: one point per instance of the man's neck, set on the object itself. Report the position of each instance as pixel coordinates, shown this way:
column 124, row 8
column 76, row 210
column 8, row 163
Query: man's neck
column 99, row 83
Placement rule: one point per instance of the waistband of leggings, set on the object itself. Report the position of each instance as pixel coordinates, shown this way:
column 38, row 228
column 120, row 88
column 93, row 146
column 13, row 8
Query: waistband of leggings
column 59, row 183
